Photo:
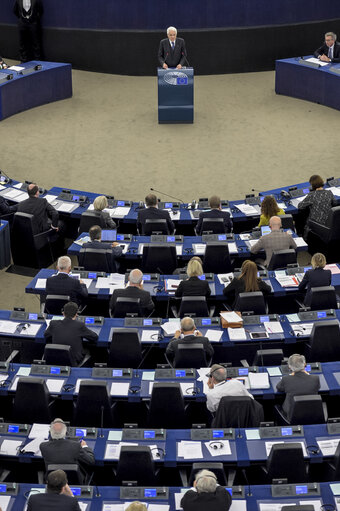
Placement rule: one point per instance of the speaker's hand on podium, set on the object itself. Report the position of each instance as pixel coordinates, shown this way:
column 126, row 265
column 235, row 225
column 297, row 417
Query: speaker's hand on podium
column 165, row 66
column 179, row 66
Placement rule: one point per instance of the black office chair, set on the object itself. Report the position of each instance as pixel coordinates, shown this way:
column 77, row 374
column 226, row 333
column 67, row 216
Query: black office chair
column 155, row 226
column 136, row 464
column 193, row 306
column 335, row 465
column 286, row 461
column 287, row 222
column 96, row 259
column 308, row 409
column 215, row 467
column 251, row 302
column 281, row 258
column 238, row 412
column 125, row 348
column 90, row 218
column 93, row 403
column 125, row 306
column 217, row 259
column 54, row 304
column 159, row 258
column 324, row 343
column 190, row 355
column 166, row 409
column 32, row 401
column 73, row 472
column 213, row 225
column 323, row 297
column 330, row 231
column 61, row 355
column 273, row 357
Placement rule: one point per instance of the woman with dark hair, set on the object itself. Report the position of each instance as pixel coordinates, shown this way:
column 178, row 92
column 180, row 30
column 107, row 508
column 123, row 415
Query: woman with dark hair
column 247, row 282
column 269, row 208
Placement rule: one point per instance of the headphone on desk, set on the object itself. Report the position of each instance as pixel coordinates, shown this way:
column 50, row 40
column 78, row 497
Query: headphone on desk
column 23, row 326
column 160, row 453
column 216, row 444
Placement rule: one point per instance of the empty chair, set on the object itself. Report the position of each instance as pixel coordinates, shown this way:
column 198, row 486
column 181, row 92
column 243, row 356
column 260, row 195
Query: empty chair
column 90, row 218
column 251, row 302
column 61, row 355
column 54, row 304
column 238, row 412
column 194, row 305
column 167, row 408
column 190, row 355
column 72, row 470
column 286, row 461
column 213, row 225
column 93, row 406
column 217, row 258
column 287, row 222
column 155, row 225
column 330, row 231
column 125, row 348
column 323, row 297
column 281, row 258
column 268, row 358
column 125, row 306
column 305, row 410
column 159, row 258
column 324, row 344
column 136, row 464
column 31, row 401
column 96, row 259
column 215, row 467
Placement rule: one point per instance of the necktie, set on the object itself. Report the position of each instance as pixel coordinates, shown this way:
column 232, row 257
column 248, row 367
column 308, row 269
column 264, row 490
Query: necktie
column 173, row 45
column 330, row 53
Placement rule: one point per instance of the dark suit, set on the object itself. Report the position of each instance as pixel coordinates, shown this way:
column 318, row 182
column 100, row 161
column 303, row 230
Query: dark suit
column 2, row 63
column 314, row 278
column 111, row 257
column 146, row 302
column 193, row 287
column 214, row 213
column 5, row 209
column 63, row 284
column 70, row 333
column 65, row 451
column 237, row 286
column 43, row 213
column 220, row 500
column 298, row 384
column 323, row 50
column 52, row 502
column 153, row 214
column 189, row 339
column 172, row 57
column 29, row 29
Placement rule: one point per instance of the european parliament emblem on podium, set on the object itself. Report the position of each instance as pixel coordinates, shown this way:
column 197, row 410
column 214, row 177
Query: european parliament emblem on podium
column 176, row 96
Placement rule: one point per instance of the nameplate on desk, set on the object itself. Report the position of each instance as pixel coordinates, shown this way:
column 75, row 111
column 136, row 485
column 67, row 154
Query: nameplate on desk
column 253, row 201
column 92, row 320
column 315, row 315
column 142, row 322
column 295, row 192
column 8, row 428
column 209, row 277
column 212, row 434
column 281, row 432
column 89, row 433
column 109, row 372
column 113, row 203
column 164, row 238
column 165, row 374
column 89, row 274
column 9, row 489
column 142, row 493
column 203, row 322
column 293, row 490
column 235, row 372
column 256, row 319
column 26, row 316
column 143, row 434
column 147, row 277
column 206, row 238
column 82, row 492
column 73, row 197
column 50, row 370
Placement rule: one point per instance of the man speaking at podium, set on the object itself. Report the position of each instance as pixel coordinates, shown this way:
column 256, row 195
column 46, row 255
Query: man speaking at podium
column 172, row 52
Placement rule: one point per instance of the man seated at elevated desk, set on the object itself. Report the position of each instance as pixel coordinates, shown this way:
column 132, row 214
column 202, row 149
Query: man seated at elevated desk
column 64, row 284
column 5, row 208
column 208, row 495
column 58, row 495
column 275, row 240
column 220, row 387
column 330, row 50
column 297, row 383
column 188, row 335
column 95, row 233
column 151, row 212
column 134, row 290
column 215, row 212
column 3, row 64
column 172, row 52
column 45, row 217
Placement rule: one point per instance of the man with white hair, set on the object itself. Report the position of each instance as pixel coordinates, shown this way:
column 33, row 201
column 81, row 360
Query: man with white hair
column 188, row 335
column 61, row 450
column 298, row 383
column 208, row 495
column 330, row 50
column 64, row 284
column 219, row 386
column 172, row 52
column 134, row 290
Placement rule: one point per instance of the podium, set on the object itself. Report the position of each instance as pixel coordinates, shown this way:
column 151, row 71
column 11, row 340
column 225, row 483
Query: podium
column 176, row 96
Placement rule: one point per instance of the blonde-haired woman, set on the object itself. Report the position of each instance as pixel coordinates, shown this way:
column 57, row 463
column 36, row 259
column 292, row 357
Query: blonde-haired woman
column 316, row 277
column 100, row 203
column 247, row 282
column 193, row 286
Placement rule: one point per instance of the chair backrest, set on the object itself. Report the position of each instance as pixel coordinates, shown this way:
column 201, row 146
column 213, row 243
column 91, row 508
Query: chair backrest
column 93, row 403
column 155, row 225
column 54, row 303
column 90, row 218
column 336, row 464
column 213, row 225
column 307, row 410
column 29, row 249
column 215, row 467
column 323, row 297
column 136, row 464
column 287, row 222
column 31, row 401
column 330, row 231
column 73, row 473
column 167, row 406
column 96, row 259
column 251, row 301
column 194, row 305
column 281, row 258
column 268, row 358
column 124, row 306
column 282, row 458
column 216, row 258
column 58, row 354
column 159, row 258
column 190, row 355
column 125, row 348
column 238, row 412
column 325, row 341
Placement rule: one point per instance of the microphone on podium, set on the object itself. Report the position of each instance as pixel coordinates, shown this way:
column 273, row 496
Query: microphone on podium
column 184, row 55
column 166, row 195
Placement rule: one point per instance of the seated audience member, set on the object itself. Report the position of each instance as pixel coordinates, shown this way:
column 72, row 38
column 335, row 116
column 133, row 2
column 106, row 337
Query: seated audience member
column 316, row 277
column 330, row 50
column 193, row 286
column 188, row 335
column 3, row 64
column 247, row 282
column 58, row 495
column 298, row 382
column 45, row 217
column 134, row 290
column 97, row 243
column 220, row 387
column 99, row 204
column 215, row 212
column 269, row 208
column 64, row 284
column 151, row 212
column 61, row 450
column 5, row 208
column 275, row 240
column 70, row 332
column 319, row 202
column 136, row 506
column 209, row 496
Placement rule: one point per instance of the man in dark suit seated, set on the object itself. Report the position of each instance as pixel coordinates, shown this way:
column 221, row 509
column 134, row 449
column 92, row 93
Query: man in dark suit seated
column 70, row 332
column 96, row 243
column 3, row 64
column 330, row 50
column 58, row 495
column 151, row 212
column 215, row 212
column 134, row 290
column 64, row 284
column 298, row 382
column 61, row 450
column 172, row 52
column 5, row 208
column 45, row 217
column 188, row 335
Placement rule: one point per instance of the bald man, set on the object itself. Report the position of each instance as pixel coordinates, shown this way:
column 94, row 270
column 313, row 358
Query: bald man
column 188, row 335
column 134, row 290
column 45, row 217
column 275, row 240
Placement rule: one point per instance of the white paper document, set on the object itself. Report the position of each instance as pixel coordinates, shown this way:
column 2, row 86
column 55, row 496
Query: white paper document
column 274, row 371
column 317, row 61
column 328, row 447
column 103, row 283
column 258, row 380
column 50, row 198
column 39, row 431
column 66, row 207
column 16, row 68
column 112, row 451
column 83, row 505
column 113, row 507
column 10, row 447
column 295, row 202
column 251, row 243
column 54, row 386
column 32, row 329
column 119, row 212
column 231, row 317
column 119, row 388
column 4, row 502
column 214, row 335
column 171, row 326
column 238, row 505
column 8, row 327
column 302, row 329
column 158, row 507
column 232, row 248
column 199, row 248
column 300, row 242
column 335, row 270
column 237, row 334
column 287, row 281
column 247, row 209
column 171, row 285
column 12, row 193
column 179, row 496
column 150, row 336
column 223, row 448
column 34, row 446
column 40, row 284
column 269, row 446
column 189, row 450
column 81, row 241
column 225, row 278
column 273, row 327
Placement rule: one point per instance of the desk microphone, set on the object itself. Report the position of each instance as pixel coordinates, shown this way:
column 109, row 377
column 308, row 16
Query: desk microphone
column 101, row 421
column 98, row 494
column 256, row 190
column 167, row 195
column 7, row 180
column 183, row 54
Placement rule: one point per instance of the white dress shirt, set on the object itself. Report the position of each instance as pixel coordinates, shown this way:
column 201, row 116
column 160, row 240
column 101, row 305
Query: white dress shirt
column 26, row 5
column 225, row 388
